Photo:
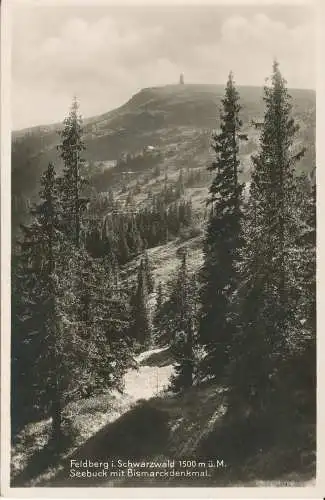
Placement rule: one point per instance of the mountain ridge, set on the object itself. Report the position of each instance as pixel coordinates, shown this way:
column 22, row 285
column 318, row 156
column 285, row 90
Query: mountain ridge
column 90, row 119
column 177, row 120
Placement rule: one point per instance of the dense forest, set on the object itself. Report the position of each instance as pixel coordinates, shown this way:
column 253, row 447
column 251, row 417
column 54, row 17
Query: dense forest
column 245, row 321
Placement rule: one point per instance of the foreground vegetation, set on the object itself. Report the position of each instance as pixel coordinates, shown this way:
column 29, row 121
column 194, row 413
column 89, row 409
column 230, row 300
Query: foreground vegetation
column 240, row 330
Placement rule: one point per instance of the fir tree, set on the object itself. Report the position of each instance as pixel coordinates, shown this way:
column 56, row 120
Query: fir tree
column 72, row 183
column 39, row 269
column 69, row 337
column 150, row 282
column 159, row 298
column 223, row 239
column 183, row 304
column 123, row 248
column 308, row 243
column 100, row 317
column 159, row 325
column 72, row 314
column 140, row 324
column 298, row 368
column 180, row 189
column 268, row 295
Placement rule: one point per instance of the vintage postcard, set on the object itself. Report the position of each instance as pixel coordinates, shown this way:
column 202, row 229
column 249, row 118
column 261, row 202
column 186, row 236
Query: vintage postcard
column 159, row 293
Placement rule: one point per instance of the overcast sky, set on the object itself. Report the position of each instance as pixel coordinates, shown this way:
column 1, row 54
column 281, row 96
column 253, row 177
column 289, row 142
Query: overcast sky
column 104, row 55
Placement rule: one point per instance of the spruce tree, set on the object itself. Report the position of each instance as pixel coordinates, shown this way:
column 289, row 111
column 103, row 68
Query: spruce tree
column 223, row 239
column 39, row 269
column 309, row 366
column 72, row 314
column 183, row 322
column 159, row 306
column 69, row 336
column 162, row 331
column 299, row 366
column 180, row 189
column 72, row 183
column 268, row 295
column 308, row 242
column 123, row 248
column 150, row 282
column 140, row 324
column 100, row 319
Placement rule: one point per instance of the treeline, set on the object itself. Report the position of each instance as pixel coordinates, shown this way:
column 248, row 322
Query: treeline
column 124, row 235
column 248, row 320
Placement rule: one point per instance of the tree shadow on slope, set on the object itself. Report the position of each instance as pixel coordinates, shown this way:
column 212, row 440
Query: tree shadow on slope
column 260, row 449
column 43, row 459
column 143, row 431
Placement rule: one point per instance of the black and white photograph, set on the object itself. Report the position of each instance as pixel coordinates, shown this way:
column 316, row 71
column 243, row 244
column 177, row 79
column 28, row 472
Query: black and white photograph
column 163, row 245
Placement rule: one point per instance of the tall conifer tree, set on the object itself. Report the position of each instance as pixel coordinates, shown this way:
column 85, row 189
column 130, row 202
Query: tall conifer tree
column 150, row 282
column 39, row 270
column 268, row 294
column 72, row 315
column 183, row 324
column 140, row 324
column 73, row 183
column 223, row 238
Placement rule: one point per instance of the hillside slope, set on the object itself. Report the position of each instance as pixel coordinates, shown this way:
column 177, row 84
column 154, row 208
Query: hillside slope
column 175, row 119
column 33, row 461
column 166, row 130
column 159, row 427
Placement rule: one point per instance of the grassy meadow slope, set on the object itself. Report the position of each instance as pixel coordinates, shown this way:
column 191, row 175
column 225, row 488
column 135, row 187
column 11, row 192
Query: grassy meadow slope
column 176, row 119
